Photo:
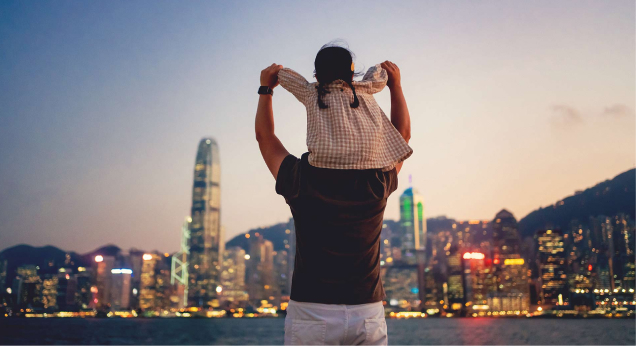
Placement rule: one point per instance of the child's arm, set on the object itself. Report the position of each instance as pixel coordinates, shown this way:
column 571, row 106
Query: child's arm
column 296, row 84
column 376, row 77
column 400, row 117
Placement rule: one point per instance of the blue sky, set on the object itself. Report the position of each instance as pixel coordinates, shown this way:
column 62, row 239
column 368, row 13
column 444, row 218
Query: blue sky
column 102, row 104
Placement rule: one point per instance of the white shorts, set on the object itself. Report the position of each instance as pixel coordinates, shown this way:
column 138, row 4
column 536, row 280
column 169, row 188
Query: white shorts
column 332, row 324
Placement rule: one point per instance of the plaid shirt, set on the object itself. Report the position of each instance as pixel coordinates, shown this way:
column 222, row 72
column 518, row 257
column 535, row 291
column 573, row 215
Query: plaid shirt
column 341, row 137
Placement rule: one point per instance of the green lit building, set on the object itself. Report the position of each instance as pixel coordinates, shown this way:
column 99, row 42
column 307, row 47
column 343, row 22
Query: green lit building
column 412, row 222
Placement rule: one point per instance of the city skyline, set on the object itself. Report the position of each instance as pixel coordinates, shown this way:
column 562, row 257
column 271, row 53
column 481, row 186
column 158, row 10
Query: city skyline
column 471, row 269
column 514, row 105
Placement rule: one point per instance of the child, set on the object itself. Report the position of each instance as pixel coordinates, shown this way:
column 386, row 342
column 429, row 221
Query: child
column 346, row 129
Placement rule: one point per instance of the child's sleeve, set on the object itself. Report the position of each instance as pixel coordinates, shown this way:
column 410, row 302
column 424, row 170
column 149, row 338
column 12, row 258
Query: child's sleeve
column 296, row 84
column 376, row 77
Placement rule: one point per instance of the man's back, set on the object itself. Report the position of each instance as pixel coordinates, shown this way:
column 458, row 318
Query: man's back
column 338, row 216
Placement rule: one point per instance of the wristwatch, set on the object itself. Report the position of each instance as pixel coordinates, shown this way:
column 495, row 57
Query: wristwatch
column 265, row 90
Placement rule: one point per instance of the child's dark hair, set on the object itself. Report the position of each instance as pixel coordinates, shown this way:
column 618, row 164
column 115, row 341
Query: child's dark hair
column 334, row 62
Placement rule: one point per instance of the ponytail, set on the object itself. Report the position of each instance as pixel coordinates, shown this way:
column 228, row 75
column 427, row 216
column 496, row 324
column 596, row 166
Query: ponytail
column 322, row 91
column 355, row 103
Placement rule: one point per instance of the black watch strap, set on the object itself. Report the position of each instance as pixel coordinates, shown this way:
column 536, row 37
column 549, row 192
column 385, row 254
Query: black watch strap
column 265, row 90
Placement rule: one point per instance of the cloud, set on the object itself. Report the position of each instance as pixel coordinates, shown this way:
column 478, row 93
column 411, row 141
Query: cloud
column 617, row 111
column 565, row 117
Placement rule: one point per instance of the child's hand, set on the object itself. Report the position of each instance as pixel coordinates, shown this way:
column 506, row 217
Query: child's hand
column 393, row 73
column 269, row 76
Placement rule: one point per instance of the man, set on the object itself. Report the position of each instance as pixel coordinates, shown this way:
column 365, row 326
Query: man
column 337, row 292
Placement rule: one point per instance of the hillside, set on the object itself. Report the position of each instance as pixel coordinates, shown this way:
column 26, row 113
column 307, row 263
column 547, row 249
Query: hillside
column 276, row 234
column 608, row 198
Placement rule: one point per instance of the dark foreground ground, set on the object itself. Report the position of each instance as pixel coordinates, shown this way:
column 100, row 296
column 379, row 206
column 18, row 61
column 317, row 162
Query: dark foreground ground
column 430, row 331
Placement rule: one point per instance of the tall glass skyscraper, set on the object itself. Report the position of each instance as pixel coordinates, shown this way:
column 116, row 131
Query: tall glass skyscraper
column 206, row 236
column 412, row 220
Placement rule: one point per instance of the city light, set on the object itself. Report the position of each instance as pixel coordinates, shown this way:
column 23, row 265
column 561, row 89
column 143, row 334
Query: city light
column 247, row 257
column 474, row 255
column 219, row 289
column 9, row 290
column 121, row 271
column 99, row 258
column 147, row 257
column 514, row 261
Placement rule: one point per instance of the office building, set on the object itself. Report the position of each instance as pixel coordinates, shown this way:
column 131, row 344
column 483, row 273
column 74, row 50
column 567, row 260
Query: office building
column 103, row 280
column 155, row 283
column 413, row 223
column 28, row 286
column 512, row 289
column 206, row 238
column 260, row 271
column 552, row 267
column 233, row 292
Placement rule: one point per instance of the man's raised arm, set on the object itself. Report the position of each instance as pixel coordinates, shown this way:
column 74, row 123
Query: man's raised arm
column 400, row 117
column 272, row 149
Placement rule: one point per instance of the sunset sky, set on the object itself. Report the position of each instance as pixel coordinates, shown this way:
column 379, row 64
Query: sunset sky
column 514, row 105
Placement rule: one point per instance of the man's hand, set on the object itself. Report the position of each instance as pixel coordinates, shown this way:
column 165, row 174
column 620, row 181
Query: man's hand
column 393, row 73
column 269, row 76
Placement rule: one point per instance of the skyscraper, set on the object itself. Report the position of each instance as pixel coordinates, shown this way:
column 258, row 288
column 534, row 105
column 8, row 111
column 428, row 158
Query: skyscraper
column 206, row 239
column 155, row 290
column 233, row 277
column 552, row 267
column 412, row 222
column 512, row 288
column 259, row 270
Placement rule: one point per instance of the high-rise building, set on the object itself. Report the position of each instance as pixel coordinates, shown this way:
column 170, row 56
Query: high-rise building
column 512, row 290
column 49, row 292
column 623, row 252
column 155, row 283
column 470, row 234
column 206, row 239
column 402, row 287
column 552, row 267
column 412, row 221
column 66, row 289
column 477, row 281
column 121, row 289
column 135, row 263
column 260, row 270
column 28, row 286
column 233, row 277
column 454, row 297
column 103, row 280
column 83, row 294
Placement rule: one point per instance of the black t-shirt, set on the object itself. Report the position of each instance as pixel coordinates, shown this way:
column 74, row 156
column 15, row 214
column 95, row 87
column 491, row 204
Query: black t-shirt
column 338, row 216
